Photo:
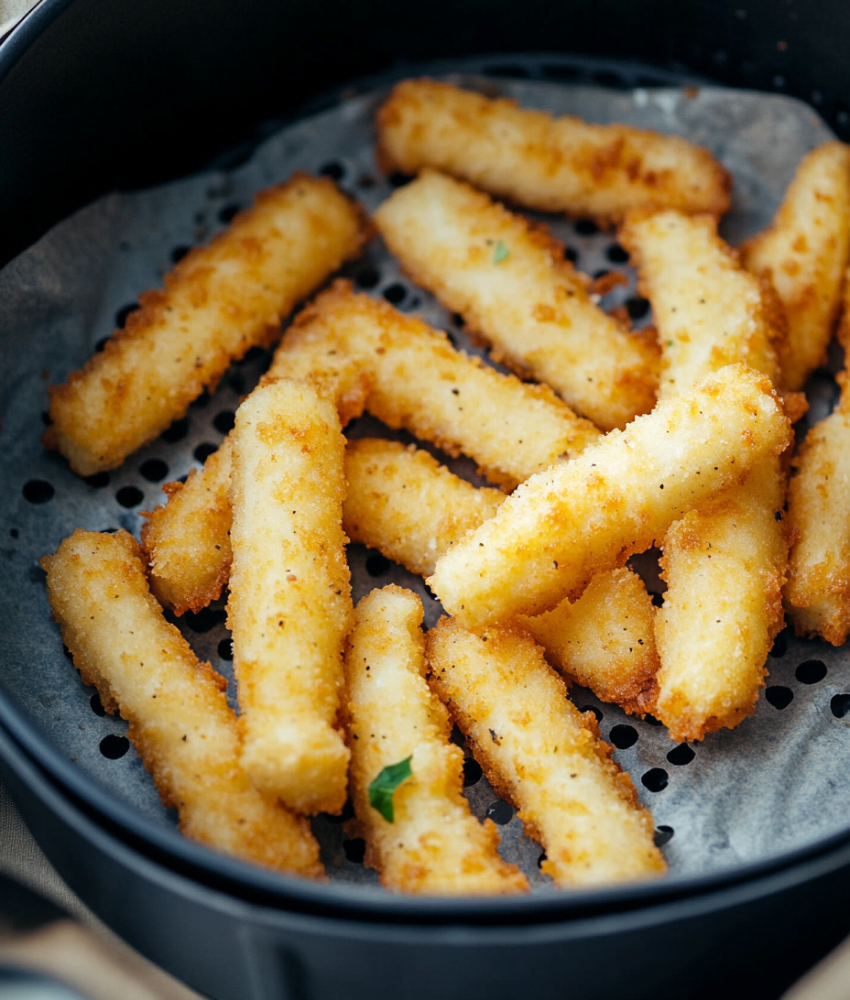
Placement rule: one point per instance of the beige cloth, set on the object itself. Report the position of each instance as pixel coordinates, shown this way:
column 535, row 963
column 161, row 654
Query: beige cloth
column 83, row 952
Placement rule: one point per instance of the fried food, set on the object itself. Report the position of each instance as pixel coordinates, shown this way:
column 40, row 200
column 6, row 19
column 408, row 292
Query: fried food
column 564, row 525
column 510, row 282
column 290, row 598
column 805, row 253
column 187, row 539
column 420, row 382
column 402, row 502
column 434, row 844
column 550, row 164
column 709, row 311
column 817, row 593
column 179, row 719
column 605, row 640
column 725, row 566
column 725, row 563
column 219, row 301
column 543, row 755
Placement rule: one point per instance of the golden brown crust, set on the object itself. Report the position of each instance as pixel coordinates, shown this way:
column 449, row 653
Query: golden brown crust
column 290, row 597
column 804, row 253
column 543, row 755
column 179, row 719
column 433, row 844
column 530, row 304
column 420, row 382
column 563, row 526
column 219, row 301
column 541, row 162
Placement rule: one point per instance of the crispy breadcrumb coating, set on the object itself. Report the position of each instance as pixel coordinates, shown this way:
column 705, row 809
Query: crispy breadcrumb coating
column 290, row 598
column 708, row 311
column 434, row 844
column 543, row 755
column 420, row 382
column 180, row 722
column 541, row 162
column 510, row 282
column 817, row 593
column 219, row 301
column 605, row 640
column 584, row 517
column 804, row 253
column 404, row 503
column 724, row 563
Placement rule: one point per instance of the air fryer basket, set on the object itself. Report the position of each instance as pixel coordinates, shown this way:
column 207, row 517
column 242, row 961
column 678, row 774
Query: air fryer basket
column 797, row 779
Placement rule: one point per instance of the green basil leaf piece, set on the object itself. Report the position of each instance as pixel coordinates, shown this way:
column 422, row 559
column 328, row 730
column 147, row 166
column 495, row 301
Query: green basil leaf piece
column 382, row 788
column 500, row 253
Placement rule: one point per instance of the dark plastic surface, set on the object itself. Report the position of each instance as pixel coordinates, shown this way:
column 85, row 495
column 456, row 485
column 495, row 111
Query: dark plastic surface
column 749, row 941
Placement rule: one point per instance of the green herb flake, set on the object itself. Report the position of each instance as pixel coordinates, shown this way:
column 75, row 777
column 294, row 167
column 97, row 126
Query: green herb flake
column 382, row 788
column 669, row 343
column 500, row 253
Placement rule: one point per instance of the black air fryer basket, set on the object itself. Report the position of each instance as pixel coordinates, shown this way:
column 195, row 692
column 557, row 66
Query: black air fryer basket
column 97, row 97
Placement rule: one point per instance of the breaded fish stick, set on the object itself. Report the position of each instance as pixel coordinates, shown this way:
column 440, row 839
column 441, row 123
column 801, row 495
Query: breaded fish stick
column 605, row 640
column 290, row 598
column 563, row 526
column 180, row 722
column 724, row 564
column 219, row 301
column 187, row 539
column 402, row 502
column 709, row 311
column 434, row 844
column 543, row 755
column 817, row 594
column 420, row 382
column 513, row 287
column 541, row 162
column 805, row 253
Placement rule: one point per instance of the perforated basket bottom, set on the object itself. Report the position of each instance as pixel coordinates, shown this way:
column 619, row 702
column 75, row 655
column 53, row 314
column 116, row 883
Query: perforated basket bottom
column 779, row 781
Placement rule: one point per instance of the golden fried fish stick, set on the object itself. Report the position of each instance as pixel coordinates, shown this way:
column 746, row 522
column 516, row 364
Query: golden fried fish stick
column 805, row 254
column 420, row 382
column 817, row 593
column 433, row 844
column 605, row 640
column 709, row 311
column 551, row 164
column 511, row 284
column 180, row 722
column 290, row 598
column 187, row 539
column 543, row 755
column 564, row 525
column 724, row 565
column 402, row 502
column 218, row 301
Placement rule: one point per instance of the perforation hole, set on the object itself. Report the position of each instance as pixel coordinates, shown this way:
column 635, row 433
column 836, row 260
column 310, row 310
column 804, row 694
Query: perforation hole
column 346, row 814
column 623, row 737
column 204, row 450
column 586, row 227
column 154, row 470
column 840, row 705
column 395, row 294
column 663, row 834
column 123, row 313
column 113, row 746
column 97, row 705
column 655, row 779
column 680, row 755
column 368, row 277
column 617, row 254
column 500, row 812
column 205, row 620
column 98, row 480
column 178, row 253
column 810, row 672
column 225, row 650
column 780, row 645
column 224, row 421
column 38, row 491
column 129, row 496
column 471, row 771
column 335, row 170
column 779, row 696
column 228, row 212
column 355, row 849
column 637, row 307
column 377, row 564
column 177, row 431
column 571, row 254
column 596, row 711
